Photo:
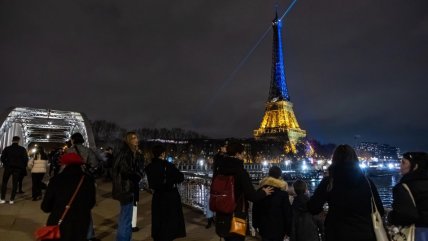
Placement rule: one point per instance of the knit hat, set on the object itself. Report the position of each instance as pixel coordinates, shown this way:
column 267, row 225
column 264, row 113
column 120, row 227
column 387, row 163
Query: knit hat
column 71, row 159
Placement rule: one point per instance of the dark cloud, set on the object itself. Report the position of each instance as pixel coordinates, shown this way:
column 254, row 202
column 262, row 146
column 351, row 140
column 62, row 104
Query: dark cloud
column 353, row 68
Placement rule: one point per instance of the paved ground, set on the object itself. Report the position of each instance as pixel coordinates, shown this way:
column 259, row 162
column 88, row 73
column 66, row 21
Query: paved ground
column 18, row 221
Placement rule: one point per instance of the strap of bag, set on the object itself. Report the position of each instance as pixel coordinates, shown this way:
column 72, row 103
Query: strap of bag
column 78, row 152
column 410, row 193
column 67, row 207
column 373, row 203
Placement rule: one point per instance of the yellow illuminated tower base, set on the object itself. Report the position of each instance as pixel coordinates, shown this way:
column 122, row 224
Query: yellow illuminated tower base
column 279, row 121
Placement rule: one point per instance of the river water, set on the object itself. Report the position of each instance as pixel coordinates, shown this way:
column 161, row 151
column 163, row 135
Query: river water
column 384, row 186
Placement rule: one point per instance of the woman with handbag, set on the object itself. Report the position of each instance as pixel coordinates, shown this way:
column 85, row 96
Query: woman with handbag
column 351, row 199
column 64, row 190
column 410, row 196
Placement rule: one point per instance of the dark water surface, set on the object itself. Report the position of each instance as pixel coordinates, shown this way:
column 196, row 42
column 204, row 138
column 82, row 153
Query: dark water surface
column 384, row 186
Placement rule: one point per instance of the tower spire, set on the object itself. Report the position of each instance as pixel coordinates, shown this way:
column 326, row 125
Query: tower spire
column 278, row 86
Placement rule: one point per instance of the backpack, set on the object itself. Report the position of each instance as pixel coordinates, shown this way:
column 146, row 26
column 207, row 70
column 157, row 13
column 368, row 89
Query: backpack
column 222, row 194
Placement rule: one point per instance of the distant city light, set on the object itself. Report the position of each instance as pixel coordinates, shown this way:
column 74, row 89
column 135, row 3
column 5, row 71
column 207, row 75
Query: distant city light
column 201, row 162
column 265, row 163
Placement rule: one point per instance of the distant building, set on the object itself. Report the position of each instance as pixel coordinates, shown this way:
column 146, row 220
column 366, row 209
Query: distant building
column 380, row 151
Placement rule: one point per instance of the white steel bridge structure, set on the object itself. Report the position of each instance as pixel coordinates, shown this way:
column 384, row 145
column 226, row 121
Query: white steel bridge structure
column 35, row 125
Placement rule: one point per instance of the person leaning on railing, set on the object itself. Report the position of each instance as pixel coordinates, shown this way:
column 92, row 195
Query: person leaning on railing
column 414, row 168
column 347, row 192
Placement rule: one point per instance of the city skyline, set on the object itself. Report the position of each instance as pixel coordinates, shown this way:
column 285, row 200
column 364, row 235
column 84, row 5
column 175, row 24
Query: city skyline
column 355, row 71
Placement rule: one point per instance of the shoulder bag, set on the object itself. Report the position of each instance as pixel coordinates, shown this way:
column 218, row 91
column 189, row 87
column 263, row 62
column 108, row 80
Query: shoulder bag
column 403, row 233
column 238, row 224
column 378, row 227
column 52, row 232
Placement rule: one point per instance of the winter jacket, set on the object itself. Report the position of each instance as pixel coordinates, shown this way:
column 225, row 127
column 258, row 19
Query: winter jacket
column 244, row 188
column 403, row 211
column 88, row 155
column 59, row 191
column 167, row 214
column 347, row 193
column 304, row 226
column 14, row 156
column 126, row 175
column 272, row 215
column 37, row 166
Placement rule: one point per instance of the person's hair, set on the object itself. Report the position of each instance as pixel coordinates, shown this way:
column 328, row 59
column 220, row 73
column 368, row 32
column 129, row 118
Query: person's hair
column 275, row 172
column 16, row 139
column 77, row 138
column 40, row 151
column 234, row 147
column 157, row 150
column 127, row 140
column 419, row 158
column 300, row 187
column 344, row 155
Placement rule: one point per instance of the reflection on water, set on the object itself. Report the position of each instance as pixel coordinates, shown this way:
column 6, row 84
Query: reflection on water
column 384, row 186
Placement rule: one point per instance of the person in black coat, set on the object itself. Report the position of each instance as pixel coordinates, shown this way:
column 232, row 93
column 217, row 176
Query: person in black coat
column 232, row 164
column 414, row 168
column 272, row 215
column 167, row 213
column 347, row 192
column 75, row 225
column 14, row 159
column 126, row 176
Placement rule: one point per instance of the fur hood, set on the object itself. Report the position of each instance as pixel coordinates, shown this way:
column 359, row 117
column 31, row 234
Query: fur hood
column 278, row 183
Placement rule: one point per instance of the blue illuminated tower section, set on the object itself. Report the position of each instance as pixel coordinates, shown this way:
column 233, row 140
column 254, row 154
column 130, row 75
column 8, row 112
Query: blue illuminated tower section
column 279, row 121
column 278, row 85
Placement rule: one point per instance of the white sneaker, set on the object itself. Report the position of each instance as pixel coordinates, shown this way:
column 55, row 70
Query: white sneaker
column 11, row 202
column 2, row 201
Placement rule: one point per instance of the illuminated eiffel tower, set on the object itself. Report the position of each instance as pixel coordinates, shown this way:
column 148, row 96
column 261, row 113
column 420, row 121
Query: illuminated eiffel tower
column 279, row 121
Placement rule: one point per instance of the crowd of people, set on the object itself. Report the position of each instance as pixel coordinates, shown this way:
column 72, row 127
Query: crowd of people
column 341, row 207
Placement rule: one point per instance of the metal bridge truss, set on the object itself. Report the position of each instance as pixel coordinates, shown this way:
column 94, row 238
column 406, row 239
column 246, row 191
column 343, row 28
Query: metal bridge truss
column 43, row 125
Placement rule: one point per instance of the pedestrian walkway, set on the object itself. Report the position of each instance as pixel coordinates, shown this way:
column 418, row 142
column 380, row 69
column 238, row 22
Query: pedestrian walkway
column 19, row 220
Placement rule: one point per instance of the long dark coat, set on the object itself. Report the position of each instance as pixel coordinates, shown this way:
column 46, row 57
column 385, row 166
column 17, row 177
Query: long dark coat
column 167, row 213
column 349, row 202
column 59, row 191
column 227, row 165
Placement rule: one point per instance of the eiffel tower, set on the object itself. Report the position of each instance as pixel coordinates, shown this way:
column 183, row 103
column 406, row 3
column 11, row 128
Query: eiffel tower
column 279, row 121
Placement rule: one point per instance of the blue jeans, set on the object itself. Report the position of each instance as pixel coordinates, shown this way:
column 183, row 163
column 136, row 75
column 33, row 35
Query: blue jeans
column 91, row 231
column 124, row 226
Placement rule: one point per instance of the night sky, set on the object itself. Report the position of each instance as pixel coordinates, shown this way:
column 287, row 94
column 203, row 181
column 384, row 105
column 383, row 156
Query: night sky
column 354, row 68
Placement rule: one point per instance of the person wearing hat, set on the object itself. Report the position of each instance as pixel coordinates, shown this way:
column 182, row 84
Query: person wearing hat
column 61, row 187
column 414, row 171
column 14, row 159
